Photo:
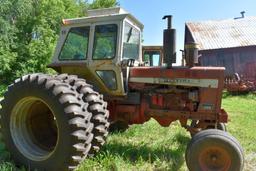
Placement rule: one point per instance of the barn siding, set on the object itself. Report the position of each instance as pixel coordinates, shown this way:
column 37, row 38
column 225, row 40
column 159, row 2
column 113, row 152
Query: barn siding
column 240, row 60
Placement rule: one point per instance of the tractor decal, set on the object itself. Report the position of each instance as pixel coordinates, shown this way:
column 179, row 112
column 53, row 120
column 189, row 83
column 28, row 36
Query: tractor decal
column 207, row 83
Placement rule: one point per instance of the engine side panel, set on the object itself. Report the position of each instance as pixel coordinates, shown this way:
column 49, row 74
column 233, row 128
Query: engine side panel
column 208, row 80
column 173, row 94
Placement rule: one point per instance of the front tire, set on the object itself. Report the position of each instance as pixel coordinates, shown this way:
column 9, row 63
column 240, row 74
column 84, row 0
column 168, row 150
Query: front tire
column 219, row 126
column 44, row 124
column 213, row 149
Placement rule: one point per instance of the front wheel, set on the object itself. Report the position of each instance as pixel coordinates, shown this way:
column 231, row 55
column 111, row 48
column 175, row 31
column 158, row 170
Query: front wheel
column 219, row 126
column 213, row 149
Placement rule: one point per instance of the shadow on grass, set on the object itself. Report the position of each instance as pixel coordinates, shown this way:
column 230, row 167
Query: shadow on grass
column 132, row 153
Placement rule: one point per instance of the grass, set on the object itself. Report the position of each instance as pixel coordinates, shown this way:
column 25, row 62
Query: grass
column 142, row 147
column 152, row 147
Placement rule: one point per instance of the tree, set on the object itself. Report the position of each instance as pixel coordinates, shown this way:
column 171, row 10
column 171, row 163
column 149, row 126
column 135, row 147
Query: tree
column 103, row 4
column 29, row 31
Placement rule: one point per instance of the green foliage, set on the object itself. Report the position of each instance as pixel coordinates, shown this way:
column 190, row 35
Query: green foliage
column 29, row 31
column 2, row 90
column 103, row 4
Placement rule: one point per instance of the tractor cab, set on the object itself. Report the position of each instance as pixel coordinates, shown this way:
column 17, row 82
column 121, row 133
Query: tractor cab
column 100, row 48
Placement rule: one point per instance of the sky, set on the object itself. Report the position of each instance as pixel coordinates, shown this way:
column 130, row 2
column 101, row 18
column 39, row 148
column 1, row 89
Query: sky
column 150, row 13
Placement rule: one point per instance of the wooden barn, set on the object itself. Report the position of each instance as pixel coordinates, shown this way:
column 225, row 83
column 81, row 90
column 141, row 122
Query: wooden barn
column 230, row 43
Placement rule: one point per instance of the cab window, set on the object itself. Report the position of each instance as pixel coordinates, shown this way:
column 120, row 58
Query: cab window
column 108, row 78
column 131, row 45
column 152, row 58
column 76, row 44
column 105, row 40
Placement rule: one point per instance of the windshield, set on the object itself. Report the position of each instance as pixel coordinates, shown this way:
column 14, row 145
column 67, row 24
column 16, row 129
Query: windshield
column 131, row 44
column 105, row 38
column 76, row 44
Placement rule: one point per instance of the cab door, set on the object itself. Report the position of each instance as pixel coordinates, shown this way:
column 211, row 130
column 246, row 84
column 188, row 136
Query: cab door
column 105, row 58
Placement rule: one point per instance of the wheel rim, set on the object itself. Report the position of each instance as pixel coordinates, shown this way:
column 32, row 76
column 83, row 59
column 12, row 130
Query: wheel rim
column 34, row 129
column 214, row 158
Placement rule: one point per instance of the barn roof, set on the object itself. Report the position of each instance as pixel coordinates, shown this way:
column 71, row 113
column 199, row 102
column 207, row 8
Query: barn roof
column 224, row 33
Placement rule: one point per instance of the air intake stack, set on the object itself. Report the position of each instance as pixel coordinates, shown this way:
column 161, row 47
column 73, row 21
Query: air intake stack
column 169, row 43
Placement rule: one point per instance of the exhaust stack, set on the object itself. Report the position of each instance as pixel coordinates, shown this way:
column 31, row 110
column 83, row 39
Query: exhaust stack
column 169, row 43
column 191, row 54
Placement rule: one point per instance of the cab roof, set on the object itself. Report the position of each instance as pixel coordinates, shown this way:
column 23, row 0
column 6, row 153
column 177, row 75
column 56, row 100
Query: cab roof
column 105, row 14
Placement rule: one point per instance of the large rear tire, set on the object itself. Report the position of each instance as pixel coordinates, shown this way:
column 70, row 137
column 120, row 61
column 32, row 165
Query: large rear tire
column 96, row 106
column 213, row 149
column 45, row 125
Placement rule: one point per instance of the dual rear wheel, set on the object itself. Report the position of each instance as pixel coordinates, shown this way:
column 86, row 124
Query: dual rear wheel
column 52, row 123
